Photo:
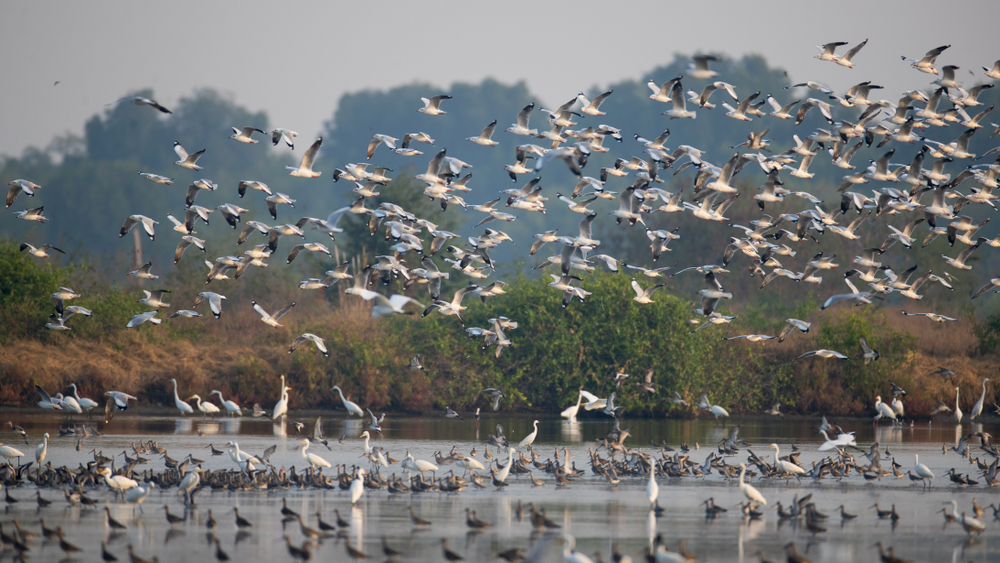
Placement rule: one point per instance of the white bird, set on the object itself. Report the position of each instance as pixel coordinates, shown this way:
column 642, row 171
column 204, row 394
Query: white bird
column 309, row 337
column 304, row 169
column 9, row 453
column 823, row 353
column 214, row 302
column 19, row 186
column 85, row 403
column 432, row 106
column 69, row 404
column 244, row 460
column 278, row 135
column 652, row 489
column 783, row 466
column 231, row 407
column 133, row 220
column 205, row 407
column 316, row 461
column 883, row 409
column 32, row 215
column 419, row 465
column 189, row 161
column 593, row 402
column 593, row 107
column 281, row 407
column 643, row 295
column 352, row 408
column 40, row 251
column 117, row 483
column 530, row 438
column 140, row 101
column 243, row 135
column 700, row 68
column 842, row 440
column 958, row 411
column 922, row 470
column 189, row 482
column 141, row 318
column 181, row 405
column 156, row 178
column 751, row 493
column 137, row 494
column 41, row 450
column 570, row 413
column 570, row 556
column 358, row 486
column 271, row 320
column 978, row 408
column 484, row 137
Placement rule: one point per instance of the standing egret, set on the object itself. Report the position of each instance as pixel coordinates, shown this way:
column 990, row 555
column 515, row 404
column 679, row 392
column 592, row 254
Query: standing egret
column 366, row 436
column 358, row 485
column 783, row 466
column 883, row 410
column 316, row 461
column 137, row 494
column 231, row 407
column 10, row 453
column 570, row 413
column 897, row 407
column 502, row 475
column 69, row 404
column 419, row 465
column 181, row 405
column 41, row 450
column 652, row 489
column 205, row 407
column 978, row 409
column 752, row 494
column 922, row 470
column 352, row 408
column 281, row 407
column 958, row 411
column 117, row 483
column 244, row 460
column 188, row 483
column 85, row 403
column 530, row 438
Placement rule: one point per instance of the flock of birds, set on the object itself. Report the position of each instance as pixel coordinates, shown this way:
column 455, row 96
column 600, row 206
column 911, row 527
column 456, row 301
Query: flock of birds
column 904, row 123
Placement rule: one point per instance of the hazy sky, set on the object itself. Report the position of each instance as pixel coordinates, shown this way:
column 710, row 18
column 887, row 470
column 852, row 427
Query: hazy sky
column 295, row 59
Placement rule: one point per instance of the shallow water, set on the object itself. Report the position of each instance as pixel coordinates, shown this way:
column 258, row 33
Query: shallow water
column 593, row 512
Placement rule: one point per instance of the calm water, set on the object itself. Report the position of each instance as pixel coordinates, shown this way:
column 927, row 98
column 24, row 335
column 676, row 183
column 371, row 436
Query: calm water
column 592, row 511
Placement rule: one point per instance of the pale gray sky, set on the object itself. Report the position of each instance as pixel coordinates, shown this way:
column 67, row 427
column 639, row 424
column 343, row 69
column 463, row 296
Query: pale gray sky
column 294, row 59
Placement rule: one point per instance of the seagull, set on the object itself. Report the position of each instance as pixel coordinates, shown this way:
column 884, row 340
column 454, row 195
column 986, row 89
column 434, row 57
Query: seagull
column 849, row 55
column 133, row 220
column 643, row 295
column 143, row 272
column 189, row 161
column 932, row 316
column 432, row 105
column 304, row 169
column 271, row 320
column 278, row 135
column 243, row 135
column 307, row 337
column 700, row 68
column 926, row 64
column 868, row 353
column 40, row 251
column 484, row 137
column 32, row 215
column 19, row 186
column 449, row 413
column 141, row 318
column 140, row 101
column 521, row 127
column 377, row 140
column 823, row 353
column 253, row 185
column 214, row 302
column 593, row 107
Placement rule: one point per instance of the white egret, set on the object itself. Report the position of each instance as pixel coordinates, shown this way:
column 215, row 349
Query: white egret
column 137, row 494
column 281, row 407
column 358, row 486
column 117, row 483
column 316, row 461
column 978, row 409
column 840, row 441
column 897, row 407
column 418, row 465
column 592, row 401
column 922, row 470
column 231, row 407
column 366, row 436
column 69, row 404
column 10, row 453
column 205, row 407
column 570, row 413
column 189, row 482
column 783, row 466
column 244, row 460
column 530, row 438
column 502, row 475
column 971, row 525
column 958, row 411
column 352, row 408
column 85, row 403
column 41, row 450
column 570, row 556
column 181, row 405
column 652, row 489
column 883, row 409
column 751, row 493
